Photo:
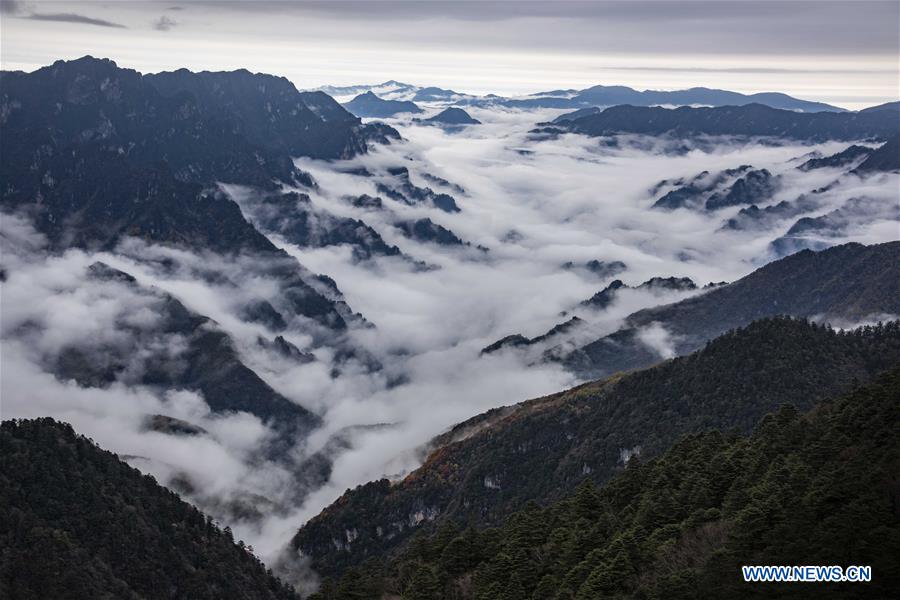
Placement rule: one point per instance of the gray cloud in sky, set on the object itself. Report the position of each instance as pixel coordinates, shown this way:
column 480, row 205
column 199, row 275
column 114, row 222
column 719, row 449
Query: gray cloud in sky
column 748, row 70
column 825, row 51
column 73, row 18
column 749, row 26
column 164, row 23
column 10, row 7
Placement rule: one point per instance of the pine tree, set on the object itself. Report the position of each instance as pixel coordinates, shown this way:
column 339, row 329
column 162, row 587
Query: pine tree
column 423, row 586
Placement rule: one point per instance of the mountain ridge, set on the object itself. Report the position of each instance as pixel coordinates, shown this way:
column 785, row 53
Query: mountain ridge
column 369, row 105
column 747, row 120
column 814, row 486
column 77, row 522
column 537, row 449
column 598, row 95
column 848, row 282
column 95, row 154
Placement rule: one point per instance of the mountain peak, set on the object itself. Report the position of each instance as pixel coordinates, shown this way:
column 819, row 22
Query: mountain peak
column 453, row 116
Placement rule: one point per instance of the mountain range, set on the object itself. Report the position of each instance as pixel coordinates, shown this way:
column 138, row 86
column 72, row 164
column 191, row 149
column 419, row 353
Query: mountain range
column 814, row 486
column 595, row 96
column 483, row 469
column 848, row 283
column 75, row 139
column 161, row 223
column 747, row 120
column 98, row 156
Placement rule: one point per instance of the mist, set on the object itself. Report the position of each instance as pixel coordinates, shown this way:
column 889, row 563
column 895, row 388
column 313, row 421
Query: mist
column 533, row 203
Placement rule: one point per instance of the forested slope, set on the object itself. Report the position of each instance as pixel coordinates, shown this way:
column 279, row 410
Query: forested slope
column 541, row 450
column 76, row 522
column 819, row 488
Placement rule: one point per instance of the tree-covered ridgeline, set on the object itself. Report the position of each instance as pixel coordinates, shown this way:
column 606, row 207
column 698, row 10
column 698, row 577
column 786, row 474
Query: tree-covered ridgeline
column 76, row 522
column 814, row 488
column 541, row 450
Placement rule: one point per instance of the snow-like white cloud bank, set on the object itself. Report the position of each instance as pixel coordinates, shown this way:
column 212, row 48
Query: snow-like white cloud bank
column 535, row 204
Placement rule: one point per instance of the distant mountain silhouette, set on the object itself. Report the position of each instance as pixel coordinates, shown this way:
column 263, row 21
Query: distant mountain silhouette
column 604, row 96
column 893, row 106
column 452, row 116
column 370, row 105
column 749, row 120
column 430, row 94
column 595, row 96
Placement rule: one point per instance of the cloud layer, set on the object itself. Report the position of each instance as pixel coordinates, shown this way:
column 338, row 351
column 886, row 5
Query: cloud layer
column 535, row 204
column 492, row 47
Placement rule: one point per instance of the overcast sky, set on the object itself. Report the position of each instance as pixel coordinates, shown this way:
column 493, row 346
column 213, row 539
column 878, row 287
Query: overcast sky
column 845, row 53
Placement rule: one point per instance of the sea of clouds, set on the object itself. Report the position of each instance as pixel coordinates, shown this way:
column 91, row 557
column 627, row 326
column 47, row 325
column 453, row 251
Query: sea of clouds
column 534, row 203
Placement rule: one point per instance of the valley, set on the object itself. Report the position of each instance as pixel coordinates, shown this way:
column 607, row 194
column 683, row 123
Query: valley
column 401, row 341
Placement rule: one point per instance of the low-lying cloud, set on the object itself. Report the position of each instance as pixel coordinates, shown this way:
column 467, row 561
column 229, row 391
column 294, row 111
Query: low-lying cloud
column 534, row 204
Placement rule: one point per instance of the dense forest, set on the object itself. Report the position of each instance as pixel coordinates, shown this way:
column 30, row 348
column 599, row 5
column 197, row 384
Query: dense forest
column 76, row 522
column 819, row 488
column 541, row 450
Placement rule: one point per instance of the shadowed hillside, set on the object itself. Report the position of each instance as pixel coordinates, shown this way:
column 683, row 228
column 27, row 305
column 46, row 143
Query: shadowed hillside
column 76, row 522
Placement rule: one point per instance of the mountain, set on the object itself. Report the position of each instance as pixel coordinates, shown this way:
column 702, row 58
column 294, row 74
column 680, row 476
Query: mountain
column 209, row 363
column 269, row 111
column 370, row 105
column 77, row 522
column 843, row 158
column 604, row 96
column 95, row 154
column 820, row 231
column 397, row 186
column 293, row 216
column 97, row 109
column 452, row 116
column 694, row 192
column 557, row 333
column 604, row 297
column 754, row 186
column 845, row 283
column 885, row 158
column 851, row 282
column 234, row 127
column 754, row 218
column 601, row 95
column 426, row 230
column 570, row 334
column 731, row 187
column 391, row 90
column 891, row 106
column 486, row 468
column 595, row 96
column 597, row 268
column 431, row 94
column 805, row 488
column 83, row 134
column 748, row 120
column 577, row 114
